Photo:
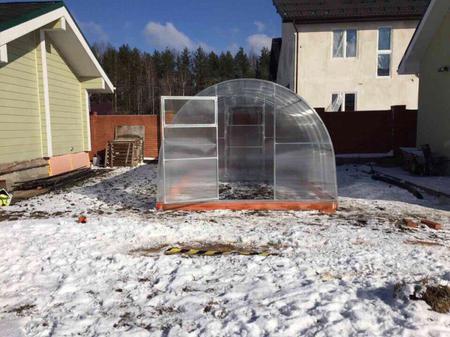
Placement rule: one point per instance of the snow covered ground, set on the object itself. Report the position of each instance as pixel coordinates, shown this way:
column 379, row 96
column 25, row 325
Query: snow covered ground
column 334, row 276
column 355, row 182
column 440, row 184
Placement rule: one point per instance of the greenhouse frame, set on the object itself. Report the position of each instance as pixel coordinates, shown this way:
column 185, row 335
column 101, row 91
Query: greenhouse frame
column 244, row 145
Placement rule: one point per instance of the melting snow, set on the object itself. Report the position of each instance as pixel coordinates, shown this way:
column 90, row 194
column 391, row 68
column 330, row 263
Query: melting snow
column 335, row 275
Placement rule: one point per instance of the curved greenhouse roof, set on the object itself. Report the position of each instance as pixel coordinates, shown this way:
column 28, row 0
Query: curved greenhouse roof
column 245, row 140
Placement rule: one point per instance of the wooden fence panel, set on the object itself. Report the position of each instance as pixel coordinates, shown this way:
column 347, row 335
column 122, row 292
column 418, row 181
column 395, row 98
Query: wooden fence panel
column 351, row 131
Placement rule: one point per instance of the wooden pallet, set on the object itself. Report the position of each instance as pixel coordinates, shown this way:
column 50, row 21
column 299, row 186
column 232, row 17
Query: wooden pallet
column 124, row 152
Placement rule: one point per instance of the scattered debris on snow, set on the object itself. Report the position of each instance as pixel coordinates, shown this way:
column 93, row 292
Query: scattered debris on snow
column 335, row 275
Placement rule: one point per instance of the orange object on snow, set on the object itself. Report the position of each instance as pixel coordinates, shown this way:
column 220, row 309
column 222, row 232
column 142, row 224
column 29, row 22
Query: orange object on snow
column 82, row 219
column 432, row 224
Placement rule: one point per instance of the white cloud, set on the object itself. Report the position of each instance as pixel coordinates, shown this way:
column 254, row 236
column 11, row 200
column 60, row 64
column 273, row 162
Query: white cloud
column 94, row 31
column 260, row 26
column 168, row 36
column 257, row 42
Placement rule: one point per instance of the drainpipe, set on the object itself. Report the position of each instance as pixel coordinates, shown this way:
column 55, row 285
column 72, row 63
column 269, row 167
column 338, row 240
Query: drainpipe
column 296, row 58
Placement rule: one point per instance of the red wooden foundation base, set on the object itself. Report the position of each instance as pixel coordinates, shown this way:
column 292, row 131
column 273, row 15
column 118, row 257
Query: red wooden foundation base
column 68, row 162
column 252, row 205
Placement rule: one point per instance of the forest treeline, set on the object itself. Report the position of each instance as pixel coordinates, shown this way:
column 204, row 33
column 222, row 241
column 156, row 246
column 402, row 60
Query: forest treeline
column 141, row 78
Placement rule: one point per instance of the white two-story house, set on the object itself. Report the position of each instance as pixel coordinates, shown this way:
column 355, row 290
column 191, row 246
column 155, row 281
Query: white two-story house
column 343, row 55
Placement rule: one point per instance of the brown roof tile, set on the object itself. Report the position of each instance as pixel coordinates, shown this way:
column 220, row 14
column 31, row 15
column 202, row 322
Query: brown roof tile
column 310, row 11
column 15, row 13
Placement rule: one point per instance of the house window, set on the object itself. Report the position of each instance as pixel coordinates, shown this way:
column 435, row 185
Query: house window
column 344, row 43
column 350, row 102
column 384, row 53
column 343, row 102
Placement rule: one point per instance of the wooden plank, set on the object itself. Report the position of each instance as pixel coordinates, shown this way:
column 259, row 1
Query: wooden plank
column 432, row 224
column 252, row 205
column 55, row 181
column 22, row 166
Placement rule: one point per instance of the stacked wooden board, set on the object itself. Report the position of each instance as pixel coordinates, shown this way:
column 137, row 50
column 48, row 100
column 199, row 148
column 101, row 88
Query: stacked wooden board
column 124, row 152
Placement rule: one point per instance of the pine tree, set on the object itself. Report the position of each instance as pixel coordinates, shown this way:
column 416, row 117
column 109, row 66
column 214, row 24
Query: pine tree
column 167, row 63
column 263, row 65
column 184, row 72
column 226, row 66
column 151, row 83
column 213, row 69
column 242, row 66
column 141, row 78
column 123, row 87
column 200, row 69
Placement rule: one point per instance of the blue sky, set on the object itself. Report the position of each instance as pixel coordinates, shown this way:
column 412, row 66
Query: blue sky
column 156, row 24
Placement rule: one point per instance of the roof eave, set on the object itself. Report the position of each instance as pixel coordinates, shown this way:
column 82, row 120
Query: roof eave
column 351, row 19
column 410, row 63
column 409, row 68
column 26, row 27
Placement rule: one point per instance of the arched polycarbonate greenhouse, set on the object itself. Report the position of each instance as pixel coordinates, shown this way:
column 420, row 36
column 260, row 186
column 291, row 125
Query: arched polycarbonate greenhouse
column 245, row 144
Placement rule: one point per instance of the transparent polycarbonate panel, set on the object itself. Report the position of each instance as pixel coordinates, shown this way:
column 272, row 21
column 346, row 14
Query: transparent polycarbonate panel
column 245, row 136
column 189, row 111
column 268, row 119
column 188, row 168
column 268, row 161
column 291, row 150
column 222, row 163
column 304, row 172
column 160, row 194
column 244, row 164
column 296, row 123
column 190, row 180
column 182, row 143
column 221, row 117
column 246, row 115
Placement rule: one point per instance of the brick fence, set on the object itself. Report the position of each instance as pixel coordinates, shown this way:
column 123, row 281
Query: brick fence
column 103, row 128
column 351, row 131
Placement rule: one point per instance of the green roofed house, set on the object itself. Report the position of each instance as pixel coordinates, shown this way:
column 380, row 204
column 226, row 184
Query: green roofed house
column 47, row 71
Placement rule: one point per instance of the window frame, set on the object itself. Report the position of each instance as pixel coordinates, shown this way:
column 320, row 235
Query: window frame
column 384, row 51
column 345, row 104
column 344, row 47
column 343, row 107
column 337, row 94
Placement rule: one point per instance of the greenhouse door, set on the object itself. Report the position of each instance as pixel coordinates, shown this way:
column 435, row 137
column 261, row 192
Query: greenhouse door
column 189, row 145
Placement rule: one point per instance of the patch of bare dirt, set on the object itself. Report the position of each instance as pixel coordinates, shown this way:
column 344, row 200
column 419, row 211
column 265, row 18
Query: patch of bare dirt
column 22, row 310
column 437, row 297
column 245, row 191
column 24, row 215
column 218, row 247
column 11, row 216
